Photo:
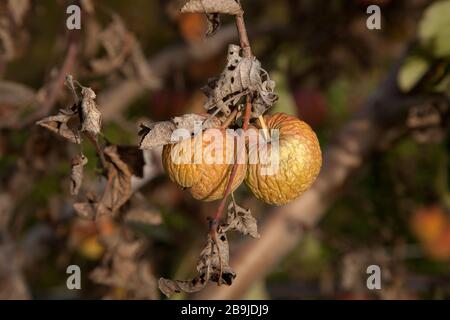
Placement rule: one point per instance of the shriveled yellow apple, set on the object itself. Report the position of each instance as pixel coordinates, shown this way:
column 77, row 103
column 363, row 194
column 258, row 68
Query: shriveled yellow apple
column 299, row 161
column 202, row 164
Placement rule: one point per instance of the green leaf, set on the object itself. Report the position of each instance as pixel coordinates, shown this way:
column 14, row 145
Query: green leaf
column 413, row 69
column 434, row 28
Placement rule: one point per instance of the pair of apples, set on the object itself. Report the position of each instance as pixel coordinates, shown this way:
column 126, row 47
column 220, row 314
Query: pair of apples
column 299, row 162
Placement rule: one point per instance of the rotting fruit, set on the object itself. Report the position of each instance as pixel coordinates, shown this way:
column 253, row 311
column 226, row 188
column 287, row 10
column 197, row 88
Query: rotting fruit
column 205, row 179
column 300, row 160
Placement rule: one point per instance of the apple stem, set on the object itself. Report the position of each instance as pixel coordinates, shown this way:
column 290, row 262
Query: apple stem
column 265, row 129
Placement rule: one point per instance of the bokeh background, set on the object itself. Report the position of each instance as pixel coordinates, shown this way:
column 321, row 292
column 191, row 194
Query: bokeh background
column 377, row 99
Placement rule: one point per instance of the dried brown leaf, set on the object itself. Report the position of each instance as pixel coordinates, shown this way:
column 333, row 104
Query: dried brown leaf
column 76, row 176
column 65, row 124
column 213, row 265
column 156, row 134
column 160, row 133
column 169, row 287
column 117, row 190
column 214, row 259
column 213, row 6
column 241, row 219
column 91, row 120
column 193, row 122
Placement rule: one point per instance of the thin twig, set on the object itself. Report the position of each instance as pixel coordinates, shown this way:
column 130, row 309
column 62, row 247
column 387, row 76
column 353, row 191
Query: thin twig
column 247, row 53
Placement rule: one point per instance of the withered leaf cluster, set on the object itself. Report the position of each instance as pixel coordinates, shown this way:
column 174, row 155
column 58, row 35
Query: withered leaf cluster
column 120, row 162
column 65, row 124
column 241, row 219
column 84, row 116
column 213, row 263
column 240, row 77
column 117, row 190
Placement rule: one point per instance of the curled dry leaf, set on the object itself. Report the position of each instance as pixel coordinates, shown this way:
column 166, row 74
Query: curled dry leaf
column 160, row 133
column 169, row 287
column 76, row 176
column 213, row 265
column 216, row 256
column 83, row 116
column 117, row 190
column 91, row 119
column 240, row 219
column 231, row 7
column 65, row 124
column 212, row 9
column 240, row 77
column 156, row 134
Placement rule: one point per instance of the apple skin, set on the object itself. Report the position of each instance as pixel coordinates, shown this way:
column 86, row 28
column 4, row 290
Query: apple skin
column 300, row 160
column 205, row 181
